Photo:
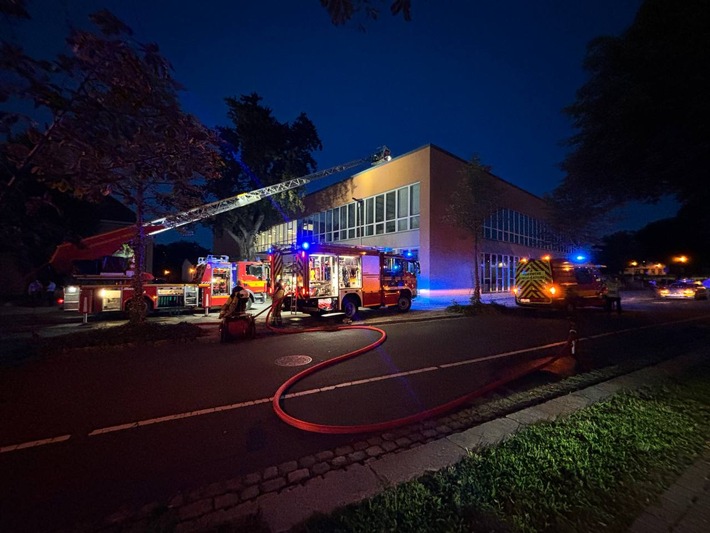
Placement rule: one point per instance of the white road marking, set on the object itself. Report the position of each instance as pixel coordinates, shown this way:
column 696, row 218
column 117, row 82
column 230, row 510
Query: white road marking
column 250, row 403
column 34, row 444
column 178, row 416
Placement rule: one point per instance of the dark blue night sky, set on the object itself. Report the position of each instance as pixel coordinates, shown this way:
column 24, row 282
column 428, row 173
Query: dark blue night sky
column 469, row 76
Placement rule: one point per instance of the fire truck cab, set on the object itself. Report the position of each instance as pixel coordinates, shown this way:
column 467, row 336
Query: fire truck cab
column 558, row 283
column 216, row 276
column 319, row 279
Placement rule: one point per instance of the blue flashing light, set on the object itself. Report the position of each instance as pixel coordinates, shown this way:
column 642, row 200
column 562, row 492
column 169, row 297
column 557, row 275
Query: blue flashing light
column 409, row 254
column 580, row 258
column 305, row 246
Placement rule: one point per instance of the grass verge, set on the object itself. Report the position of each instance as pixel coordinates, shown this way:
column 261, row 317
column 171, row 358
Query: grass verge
column 596, row 470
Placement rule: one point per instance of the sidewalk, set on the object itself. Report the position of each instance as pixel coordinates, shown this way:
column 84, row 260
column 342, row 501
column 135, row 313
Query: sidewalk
column 684, row 507
column 287, row 494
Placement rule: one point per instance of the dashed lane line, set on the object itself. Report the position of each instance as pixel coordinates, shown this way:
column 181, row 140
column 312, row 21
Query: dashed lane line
column 34, row 444
column 241, row 405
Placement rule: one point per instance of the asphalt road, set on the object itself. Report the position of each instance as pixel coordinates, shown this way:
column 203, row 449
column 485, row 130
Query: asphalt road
column 127, row 426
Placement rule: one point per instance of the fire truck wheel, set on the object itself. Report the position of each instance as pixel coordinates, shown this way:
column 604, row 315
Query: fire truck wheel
column 404, row 303
column 350, row 306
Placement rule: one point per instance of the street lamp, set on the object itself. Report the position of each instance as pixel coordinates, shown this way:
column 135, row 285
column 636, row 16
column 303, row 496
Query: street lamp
column 682, row 260
column 360, row 203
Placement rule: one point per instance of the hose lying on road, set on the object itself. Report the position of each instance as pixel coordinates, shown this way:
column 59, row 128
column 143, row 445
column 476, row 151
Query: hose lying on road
column 389, row 424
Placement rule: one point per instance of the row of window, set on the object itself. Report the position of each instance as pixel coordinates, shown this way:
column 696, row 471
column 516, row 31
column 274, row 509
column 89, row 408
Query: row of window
column 395, row 211
column 511, row 226
column 389, row 212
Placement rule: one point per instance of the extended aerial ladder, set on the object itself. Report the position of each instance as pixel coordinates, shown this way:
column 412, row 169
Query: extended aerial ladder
column 107, row 243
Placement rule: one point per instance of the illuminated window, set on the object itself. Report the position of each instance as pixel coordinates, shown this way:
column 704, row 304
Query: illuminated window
column 392, row 211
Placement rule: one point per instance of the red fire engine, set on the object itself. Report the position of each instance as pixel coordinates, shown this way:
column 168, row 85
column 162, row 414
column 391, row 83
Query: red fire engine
column 111, row 291
column 326, row 278
column 217, row 276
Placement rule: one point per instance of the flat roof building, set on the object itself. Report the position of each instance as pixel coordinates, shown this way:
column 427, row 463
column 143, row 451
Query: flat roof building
column 400, row 206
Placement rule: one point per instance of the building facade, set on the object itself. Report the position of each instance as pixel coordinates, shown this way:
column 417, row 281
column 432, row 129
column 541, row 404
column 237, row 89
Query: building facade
column 399, row 206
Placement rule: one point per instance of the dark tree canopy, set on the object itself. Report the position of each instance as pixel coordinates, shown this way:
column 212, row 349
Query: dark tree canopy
column 342, row 11
column 260, row 151
column 114, row 126
column 643, row 118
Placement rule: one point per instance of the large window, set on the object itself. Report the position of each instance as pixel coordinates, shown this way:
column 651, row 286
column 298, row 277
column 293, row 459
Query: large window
column 498, row 272
column 390, row 212
column 511, row 226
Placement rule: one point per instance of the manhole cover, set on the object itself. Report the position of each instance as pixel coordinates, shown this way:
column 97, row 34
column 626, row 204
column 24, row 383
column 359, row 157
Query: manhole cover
column 293, row 360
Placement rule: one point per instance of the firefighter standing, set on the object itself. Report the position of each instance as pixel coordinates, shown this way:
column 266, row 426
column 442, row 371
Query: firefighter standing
column 613, row 294
column 276, row 302
column 35, row 291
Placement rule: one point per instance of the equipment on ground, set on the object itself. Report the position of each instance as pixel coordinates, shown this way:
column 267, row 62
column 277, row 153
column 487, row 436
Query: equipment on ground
column 237, row 327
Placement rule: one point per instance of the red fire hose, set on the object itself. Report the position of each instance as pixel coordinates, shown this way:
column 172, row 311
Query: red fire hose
column 389, row 424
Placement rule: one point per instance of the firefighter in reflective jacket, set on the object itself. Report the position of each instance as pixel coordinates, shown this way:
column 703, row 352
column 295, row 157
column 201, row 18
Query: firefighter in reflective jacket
column 277, row 302
column 237, row 303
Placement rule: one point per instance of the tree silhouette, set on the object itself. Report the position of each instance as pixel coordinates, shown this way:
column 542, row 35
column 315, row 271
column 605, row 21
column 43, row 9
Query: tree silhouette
column 260, row 151
column 642, row 118
column 115, row 127
column 478, row 196
column 342, row 11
